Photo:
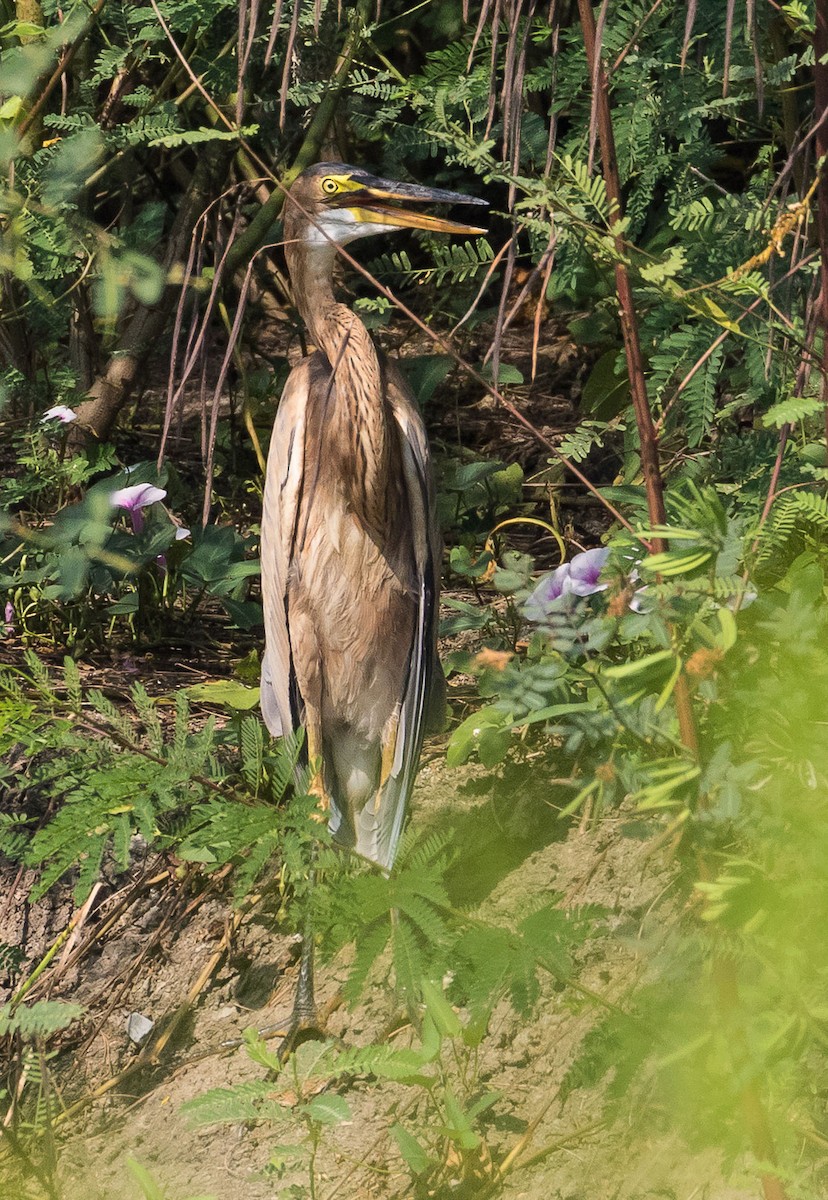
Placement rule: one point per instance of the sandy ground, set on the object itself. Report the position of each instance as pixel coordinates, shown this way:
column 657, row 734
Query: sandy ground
column 157, row 952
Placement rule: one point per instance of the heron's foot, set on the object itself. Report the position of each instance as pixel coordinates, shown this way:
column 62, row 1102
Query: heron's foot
column 303, row 1027
column 306, row 1023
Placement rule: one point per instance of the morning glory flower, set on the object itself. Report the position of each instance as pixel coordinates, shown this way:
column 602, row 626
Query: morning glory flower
column 137, row 495
column 134, row 498
column 181, row 533
column 578, row 578
column 584, row 571
column 59, row 413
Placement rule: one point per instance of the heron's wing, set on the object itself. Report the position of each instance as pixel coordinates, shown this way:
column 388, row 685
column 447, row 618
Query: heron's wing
column 283, row 485
column 423, row 702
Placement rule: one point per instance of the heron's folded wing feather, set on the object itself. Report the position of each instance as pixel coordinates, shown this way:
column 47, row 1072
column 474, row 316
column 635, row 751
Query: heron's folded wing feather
column 379, row 831
column 283, row 484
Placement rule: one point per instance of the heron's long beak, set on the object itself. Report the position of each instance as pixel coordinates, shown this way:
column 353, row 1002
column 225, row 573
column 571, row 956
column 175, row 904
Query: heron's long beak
column 371, row 203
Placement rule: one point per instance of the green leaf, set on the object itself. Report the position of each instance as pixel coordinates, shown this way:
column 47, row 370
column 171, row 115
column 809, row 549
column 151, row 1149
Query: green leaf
column 284, row 1156
column 39, row 1019
column 245, row 614
column 191, row 137
column 552, row 711
column 459, row 1127
column 492, row 745
column 463, row 563
column 73, row 567
column 727, row 621
column 706, row 307
column 670, row 532
column 607, row 390
column 467, row 734
column 469, row 616
column 144, row 1180
column 463, row 476
column 127, row 604
column 73, row 160
column 639, row 665
column 226, row 693
column 677, row 562
column 430, row 1040
column 788, row 412
column 411, row 1150
column 425, row 373
column 22, row 66
column 505, row 373
column 445, row 1018
column 144, row 276
column 328, row 1110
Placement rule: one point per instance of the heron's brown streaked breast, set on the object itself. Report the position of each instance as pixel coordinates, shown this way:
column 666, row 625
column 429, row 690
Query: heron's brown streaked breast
column 351, row 592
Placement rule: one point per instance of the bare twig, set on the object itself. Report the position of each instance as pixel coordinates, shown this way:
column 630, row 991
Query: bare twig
column 731, row 5
column 689, row 21
column 190, row 73
column 112, row 388
column 60, row 69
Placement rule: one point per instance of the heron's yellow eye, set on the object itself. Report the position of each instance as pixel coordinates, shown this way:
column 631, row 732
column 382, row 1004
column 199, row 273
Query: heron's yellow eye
column 330, row 186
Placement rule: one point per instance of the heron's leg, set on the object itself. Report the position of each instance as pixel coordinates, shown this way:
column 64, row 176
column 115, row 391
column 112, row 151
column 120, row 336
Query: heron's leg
column 316, row 787
column 304, row 1004
column 305, row 1022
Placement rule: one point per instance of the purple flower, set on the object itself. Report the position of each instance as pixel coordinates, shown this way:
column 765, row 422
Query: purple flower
column 59, row 413
column 137, row 495
column 8, row 617
column 134, row 498
column 579, row 577
column 584, row 571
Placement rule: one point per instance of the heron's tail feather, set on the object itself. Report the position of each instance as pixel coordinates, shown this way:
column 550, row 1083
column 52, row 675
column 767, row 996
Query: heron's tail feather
column 362, row 818
column 379, row 822
column 350, row 780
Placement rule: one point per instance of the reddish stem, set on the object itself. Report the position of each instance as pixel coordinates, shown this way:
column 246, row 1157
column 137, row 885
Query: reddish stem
column 820, row 110
column 647, row 437
column 629, row 326
column 724, row 971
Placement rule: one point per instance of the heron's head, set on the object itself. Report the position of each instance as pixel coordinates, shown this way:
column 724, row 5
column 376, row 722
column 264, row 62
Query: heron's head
column 347, row 203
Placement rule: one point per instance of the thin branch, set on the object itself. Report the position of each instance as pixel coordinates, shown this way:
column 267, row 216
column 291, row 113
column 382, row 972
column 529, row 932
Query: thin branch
column 190, row 73
column 629, row 326
column 699, row 363
column 57, row 74
column 821, row 99
column 258, row 229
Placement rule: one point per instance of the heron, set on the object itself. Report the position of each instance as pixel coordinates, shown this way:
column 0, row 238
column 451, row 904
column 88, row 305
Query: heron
column 350, row 545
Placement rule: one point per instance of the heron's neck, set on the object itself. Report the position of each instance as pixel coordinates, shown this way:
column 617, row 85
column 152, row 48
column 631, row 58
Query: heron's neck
column 357, row 426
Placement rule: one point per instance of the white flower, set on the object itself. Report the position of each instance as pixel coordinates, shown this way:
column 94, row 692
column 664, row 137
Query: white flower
column 134, row 498
column 137, row 495
column 59, row 413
